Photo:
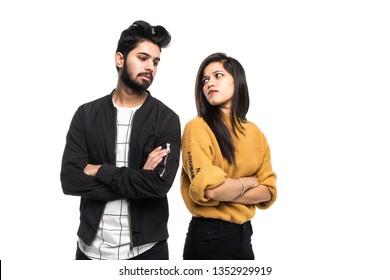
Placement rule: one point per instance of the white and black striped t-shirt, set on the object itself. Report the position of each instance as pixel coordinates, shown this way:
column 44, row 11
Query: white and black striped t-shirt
column 113, row 240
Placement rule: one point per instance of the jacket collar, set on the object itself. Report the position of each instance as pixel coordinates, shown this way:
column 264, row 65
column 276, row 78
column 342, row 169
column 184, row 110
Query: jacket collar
column 110, row 103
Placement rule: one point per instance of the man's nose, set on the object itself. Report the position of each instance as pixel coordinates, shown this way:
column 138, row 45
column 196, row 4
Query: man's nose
column 150, row 66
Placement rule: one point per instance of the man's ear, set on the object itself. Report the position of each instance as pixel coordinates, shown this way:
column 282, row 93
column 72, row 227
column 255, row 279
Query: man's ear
column 119, row 60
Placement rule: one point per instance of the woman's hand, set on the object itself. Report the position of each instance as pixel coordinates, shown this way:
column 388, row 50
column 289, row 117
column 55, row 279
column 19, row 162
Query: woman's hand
column 232, row 188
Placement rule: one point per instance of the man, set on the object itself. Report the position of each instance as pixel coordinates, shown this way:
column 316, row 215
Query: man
column 121, row 157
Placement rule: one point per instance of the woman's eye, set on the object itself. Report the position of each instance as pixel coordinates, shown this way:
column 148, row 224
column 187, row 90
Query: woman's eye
column 205, row 80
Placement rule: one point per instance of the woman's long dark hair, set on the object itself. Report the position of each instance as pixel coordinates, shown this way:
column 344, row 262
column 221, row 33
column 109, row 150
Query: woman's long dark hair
column 213, row 115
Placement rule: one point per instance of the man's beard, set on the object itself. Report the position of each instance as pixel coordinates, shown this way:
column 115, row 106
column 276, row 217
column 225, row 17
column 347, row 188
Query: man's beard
column 133, row 84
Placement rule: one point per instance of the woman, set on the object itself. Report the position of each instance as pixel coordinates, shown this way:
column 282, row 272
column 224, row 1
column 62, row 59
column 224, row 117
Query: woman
column 226, row 170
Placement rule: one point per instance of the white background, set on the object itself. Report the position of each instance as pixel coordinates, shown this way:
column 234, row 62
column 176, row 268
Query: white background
column 318, row 74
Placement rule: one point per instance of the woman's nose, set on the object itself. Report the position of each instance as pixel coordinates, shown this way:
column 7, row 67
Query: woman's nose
column 211, row 82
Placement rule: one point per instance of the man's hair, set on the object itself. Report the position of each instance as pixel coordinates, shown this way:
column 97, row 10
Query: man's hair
column 141, row 31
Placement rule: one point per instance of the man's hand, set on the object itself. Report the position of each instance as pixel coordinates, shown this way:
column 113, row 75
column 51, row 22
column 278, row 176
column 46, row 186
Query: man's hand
column 154, row 158
column 91, row 169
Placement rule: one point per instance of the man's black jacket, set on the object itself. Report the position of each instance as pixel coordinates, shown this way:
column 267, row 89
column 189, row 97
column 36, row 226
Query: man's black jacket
column 91, row 139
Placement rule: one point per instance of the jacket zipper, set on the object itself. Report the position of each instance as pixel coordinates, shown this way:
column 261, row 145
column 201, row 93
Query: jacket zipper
column 166, row 158
column 128, row 202
column 131, row 238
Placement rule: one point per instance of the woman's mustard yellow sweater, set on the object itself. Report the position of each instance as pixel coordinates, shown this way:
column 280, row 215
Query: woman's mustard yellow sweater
column 205, row 168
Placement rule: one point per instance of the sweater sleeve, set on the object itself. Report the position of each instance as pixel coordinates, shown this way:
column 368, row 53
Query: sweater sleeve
column 266, row 175
column 197, row 157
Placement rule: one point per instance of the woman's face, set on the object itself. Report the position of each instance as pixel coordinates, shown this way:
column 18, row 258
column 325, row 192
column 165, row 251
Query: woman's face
column 218, row 86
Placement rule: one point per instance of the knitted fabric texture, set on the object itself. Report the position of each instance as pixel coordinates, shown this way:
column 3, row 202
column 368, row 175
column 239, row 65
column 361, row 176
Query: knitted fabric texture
column 205, row 168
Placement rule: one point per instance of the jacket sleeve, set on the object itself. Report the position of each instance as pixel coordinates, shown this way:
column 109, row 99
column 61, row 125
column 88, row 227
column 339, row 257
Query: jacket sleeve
column 136, row 183
column 266, row 175
column 198, row 166
column 75, row 157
